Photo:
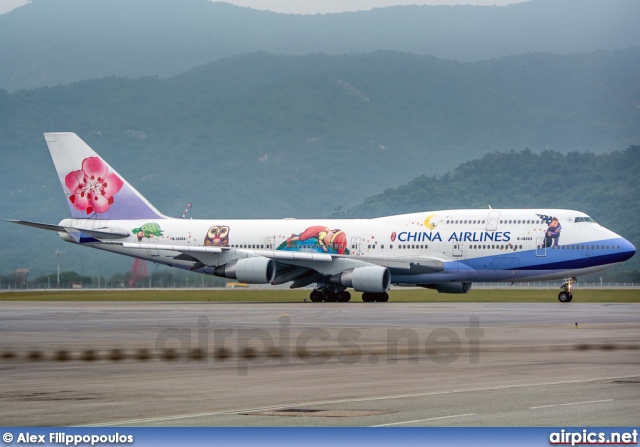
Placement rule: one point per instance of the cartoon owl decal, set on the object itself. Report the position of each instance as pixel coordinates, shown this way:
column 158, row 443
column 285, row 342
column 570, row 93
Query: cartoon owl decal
column 217, row 236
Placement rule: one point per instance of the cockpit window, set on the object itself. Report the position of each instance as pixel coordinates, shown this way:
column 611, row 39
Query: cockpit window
column 584, row 219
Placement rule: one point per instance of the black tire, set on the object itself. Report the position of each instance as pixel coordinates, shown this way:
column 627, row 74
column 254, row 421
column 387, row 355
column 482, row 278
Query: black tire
column 329, row 296
column 315, row 296
column 564, row 297
column 570, row 298
column 368, row 297
column 382, row 297
column 344, row 297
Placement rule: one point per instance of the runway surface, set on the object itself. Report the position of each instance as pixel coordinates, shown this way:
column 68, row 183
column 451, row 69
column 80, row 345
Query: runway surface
column 324, row 364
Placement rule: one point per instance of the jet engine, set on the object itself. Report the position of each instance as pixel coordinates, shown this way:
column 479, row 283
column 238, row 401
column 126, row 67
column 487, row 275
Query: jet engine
column 372, row 279
column 253, row 270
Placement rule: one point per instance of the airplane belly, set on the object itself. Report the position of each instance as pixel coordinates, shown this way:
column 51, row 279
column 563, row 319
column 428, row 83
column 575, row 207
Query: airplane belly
column 453, row 271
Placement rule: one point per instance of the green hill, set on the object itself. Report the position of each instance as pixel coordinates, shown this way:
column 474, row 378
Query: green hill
column 261, row 136
column 51, row 42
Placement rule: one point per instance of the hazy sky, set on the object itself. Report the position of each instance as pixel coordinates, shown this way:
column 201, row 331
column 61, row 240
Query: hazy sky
column 317, row 6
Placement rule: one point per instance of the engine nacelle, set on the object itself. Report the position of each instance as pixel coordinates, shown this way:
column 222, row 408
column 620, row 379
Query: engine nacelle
column 254, row 270
column 453, row 287
column 372, row 279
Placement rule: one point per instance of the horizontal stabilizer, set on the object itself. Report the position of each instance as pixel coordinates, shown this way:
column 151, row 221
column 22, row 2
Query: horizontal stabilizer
column 76, row 233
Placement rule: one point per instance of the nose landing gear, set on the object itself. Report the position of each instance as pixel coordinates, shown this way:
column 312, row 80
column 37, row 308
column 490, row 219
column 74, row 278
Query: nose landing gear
column 566, row 296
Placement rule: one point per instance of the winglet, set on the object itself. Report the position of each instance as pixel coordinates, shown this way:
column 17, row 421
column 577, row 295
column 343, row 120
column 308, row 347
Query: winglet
column 92, row 187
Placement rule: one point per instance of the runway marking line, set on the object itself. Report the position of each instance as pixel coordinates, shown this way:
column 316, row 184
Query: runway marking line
column 572, row 403
column 340, row 401
column 426, row 420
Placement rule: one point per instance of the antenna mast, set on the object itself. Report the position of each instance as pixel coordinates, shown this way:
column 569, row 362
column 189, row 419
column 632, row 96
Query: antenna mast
column 184, row 215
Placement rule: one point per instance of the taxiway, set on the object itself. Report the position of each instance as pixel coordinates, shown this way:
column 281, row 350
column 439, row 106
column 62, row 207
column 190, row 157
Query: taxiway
column 325, row 364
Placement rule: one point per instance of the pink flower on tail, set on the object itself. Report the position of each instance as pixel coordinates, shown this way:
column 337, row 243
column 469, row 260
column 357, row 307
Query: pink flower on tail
column 93, row 187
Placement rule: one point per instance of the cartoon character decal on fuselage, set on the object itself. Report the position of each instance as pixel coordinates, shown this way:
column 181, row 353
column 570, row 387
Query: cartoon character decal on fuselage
column 552, row 234
column 147, row 230
column 217, row 236
column 317, row 238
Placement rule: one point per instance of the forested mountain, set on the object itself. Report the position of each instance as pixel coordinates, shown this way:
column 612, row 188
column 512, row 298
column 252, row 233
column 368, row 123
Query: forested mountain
column 259, row 136
column 315, row 132
column 50, row 42
column 605, row 186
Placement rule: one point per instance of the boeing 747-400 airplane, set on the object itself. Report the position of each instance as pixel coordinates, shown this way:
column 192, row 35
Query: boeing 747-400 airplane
column 442, row 250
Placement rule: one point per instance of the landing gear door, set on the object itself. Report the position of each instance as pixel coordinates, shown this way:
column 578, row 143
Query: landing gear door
column 492, row 220
column 541, row 249
column 355, row 246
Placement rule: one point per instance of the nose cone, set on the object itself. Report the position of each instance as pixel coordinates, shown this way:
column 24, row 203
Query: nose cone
column 628, row 249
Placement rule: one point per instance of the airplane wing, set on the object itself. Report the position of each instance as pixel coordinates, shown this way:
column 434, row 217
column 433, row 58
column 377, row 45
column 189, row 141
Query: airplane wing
column 181, row 248
column 410, row 265
column 322, row 264
column 300, row 267
column 295, row 264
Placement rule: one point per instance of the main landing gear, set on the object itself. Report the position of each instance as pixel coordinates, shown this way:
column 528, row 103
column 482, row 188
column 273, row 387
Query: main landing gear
column 337, row 295
column 566, row 296
column 329, row 295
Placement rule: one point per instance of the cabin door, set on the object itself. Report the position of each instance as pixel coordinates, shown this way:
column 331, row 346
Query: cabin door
column 492, row 221
column 541, row 249
column 269, row 243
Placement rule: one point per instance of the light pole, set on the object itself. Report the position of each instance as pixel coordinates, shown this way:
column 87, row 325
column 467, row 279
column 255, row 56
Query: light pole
column 58, row 256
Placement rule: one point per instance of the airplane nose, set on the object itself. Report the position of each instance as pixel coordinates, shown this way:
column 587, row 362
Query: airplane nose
column 628, row 249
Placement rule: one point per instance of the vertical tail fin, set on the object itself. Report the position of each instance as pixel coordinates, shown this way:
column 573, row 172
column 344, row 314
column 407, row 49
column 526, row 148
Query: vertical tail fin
column 94, row 190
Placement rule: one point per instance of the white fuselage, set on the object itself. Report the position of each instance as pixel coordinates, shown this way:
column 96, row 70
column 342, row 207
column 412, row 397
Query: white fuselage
column 474, row 245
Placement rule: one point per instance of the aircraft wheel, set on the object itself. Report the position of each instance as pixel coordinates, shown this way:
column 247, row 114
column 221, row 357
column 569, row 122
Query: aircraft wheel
column 315, row 296
column 570, row 298
column 383, row 297
column 565, row 297
column 329, row 296
column 344, row 297
column 368, row 297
